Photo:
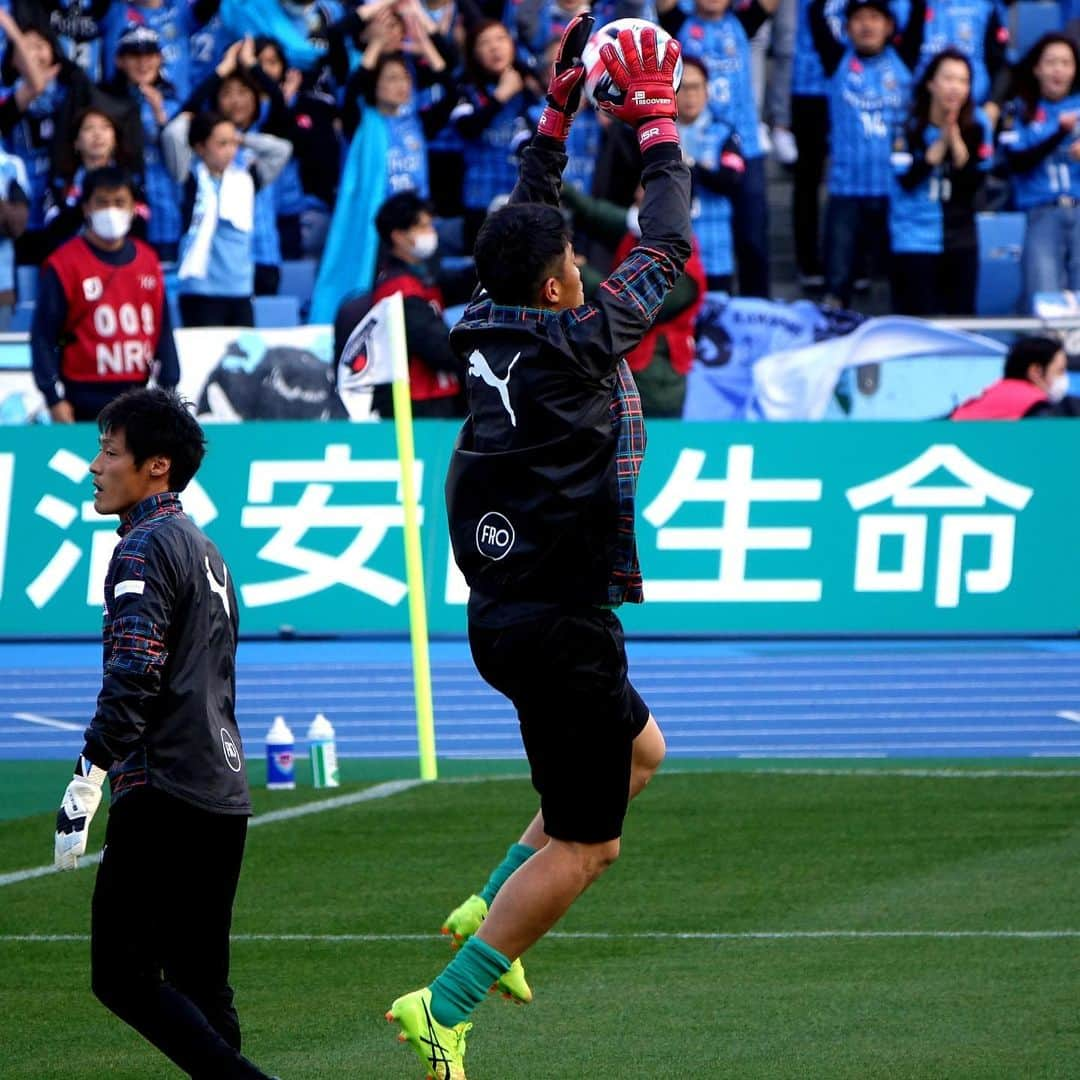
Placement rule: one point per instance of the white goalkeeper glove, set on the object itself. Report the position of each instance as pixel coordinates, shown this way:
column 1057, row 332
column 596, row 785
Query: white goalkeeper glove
column 81, row 800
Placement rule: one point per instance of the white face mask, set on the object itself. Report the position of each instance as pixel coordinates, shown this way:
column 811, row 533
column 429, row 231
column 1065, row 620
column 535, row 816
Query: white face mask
column 1058, row 388
column 425, row 245
column 112, row 223
column 633, row 226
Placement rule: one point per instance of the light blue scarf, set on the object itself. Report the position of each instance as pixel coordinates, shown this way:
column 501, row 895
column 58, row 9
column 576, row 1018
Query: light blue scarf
column 348, row 262
column 243, row 17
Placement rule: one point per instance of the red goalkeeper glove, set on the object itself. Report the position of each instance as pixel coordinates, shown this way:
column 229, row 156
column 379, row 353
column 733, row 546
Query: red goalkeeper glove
column 647, row 85
column 567, row 80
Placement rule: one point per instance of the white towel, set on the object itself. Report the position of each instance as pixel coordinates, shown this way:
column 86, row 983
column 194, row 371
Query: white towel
column 233, row 202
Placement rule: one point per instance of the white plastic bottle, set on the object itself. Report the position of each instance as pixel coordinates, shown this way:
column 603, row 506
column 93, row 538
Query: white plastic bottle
column 280, row 759
column 324, row 764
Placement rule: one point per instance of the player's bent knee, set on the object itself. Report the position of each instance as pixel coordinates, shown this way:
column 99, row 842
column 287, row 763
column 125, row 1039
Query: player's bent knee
column 598, row 857
column 649, row 751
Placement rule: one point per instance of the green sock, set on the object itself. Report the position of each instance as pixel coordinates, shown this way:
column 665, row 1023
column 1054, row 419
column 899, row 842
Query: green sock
column 516, row 854
column 465, row 981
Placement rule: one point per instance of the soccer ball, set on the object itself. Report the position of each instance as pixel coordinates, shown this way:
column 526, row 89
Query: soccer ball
column 598, row 84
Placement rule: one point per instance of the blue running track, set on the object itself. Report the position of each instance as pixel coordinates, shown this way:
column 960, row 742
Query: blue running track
column 713, row 699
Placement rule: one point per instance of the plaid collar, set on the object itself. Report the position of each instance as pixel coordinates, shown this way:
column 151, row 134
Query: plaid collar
column 167, row 502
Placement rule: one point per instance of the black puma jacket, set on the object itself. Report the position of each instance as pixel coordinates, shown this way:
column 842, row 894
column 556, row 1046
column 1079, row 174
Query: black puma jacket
column 540, row 488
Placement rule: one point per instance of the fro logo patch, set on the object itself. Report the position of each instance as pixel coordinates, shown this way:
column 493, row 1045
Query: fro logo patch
column 494, row 536
column 232, row 755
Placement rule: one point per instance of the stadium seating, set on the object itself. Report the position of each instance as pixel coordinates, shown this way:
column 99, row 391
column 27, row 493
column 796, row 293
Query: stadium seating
column 1031, row 19
column 298, row 279
column 271, row 311
column 22, row 317
column 26, row 279
column 1001, row 279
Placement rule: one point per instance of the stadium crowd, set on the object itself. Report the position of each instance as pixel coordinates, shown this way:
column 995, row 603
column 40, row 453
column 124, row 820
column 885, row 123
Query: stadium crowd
column 271, row 132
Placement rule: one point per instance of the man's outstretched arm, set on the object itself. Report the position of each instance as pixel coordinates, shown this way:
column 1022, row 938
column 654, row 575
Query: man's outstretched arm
column 543, row 160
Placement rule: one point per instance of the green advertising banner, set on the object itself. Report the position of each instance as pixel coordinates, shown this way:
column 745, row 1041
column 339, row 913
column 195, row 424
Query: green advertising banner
column 828, row 528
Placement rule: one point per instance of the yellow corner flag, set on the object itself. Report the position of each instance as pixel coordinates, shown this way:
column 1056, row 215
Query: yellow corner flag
column 376, row 354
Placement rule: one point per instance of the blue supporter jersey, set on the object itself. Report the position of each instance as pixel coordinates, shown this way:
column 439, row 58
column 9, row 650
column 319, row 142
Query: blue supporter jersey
column 1057, row 174
column 722, row 45
column 808, row 78
column 31, row 140
column 174, row 22
column 703, row 140
column 265, row 241
column 289, row 196
column 491, row 164
column 208, row 45
column 867, row 99
column 79, row 33
column 12, row 173
column 918, row 219
column 162, row 191
column 406, row 155
column 962, row 25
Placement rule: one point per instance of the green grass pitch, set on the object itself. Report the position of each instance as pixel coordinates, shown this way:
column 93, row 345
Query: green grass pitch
column 719, row 853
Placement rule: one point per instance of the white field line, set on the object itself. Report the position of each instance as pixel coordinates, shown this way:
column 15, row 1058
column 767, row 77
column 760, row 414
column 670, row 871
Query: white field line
column 601, row 935
column 47, row 721
column 379, row 791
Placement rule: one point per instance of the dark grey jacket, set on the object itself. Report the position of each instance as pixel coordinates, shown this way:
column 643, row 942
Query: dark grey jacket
column 166, row 714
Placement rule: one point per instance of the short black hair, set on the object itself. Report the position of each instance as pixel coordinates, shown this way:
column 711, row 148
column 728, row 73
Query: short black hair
column 1030, row 350
column 107, row 178
column 517, row 249
column 400, row 211
column 202, row 126
column 156, row 421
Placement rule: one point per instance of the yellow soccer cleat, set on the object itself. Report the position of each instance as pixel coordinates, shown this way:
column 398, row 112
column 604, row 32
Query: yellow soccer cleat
column 441, row 1048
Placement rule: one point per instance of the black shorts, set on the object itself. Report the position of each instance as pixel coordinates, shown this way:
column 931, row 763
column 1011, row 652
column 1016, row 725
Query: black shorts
column 565, row 672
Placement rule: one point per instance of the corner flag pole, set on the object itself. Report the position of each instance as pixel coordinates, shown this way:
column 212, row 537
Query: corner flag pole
column 414, row 563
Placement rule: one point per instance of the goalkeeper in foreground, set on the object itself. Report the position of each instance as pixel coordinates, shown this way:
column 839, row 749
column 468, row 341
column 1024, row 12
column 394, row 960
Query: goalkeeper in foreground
column 540, row 496
column 165, row 734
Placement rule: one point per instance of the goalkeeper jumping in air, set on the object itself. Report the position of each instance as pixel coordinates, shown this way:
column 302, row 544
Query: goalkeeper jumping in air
column 540, row 496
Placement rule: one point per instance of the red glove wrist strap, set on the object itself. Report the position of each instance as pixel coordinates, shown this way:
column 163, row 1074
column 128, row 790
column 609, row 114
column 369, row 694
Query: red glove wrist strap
column 554, row 123
column 654, row 132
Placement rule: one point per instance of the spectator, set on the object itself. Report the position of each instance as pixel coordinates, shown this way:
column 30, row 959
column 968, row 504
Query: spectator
column 1043, row 154
column 491, row 116
column 810, row 126
column 101, row 324
column 14, row 213
column 663, row 358
column 409, row 242
column 138, row 79
column 174, row 21
column 720, row 37
column 977, row 29
column 282, row 84
column 245, row 96
column 36, row 115
column 217, row 265
column 941, row 159
column 868, row 88
column 387, row 155
column 384, row 81
column 711, row 149
column 1035, row 385
column 76, row 24
column 96, row 143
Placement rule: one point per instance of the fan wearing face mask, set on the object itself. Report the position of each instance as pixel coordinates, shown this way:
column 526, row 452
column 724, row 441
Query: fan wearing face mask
column 407, row 264
column 1035, row 385
column 101, row 324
